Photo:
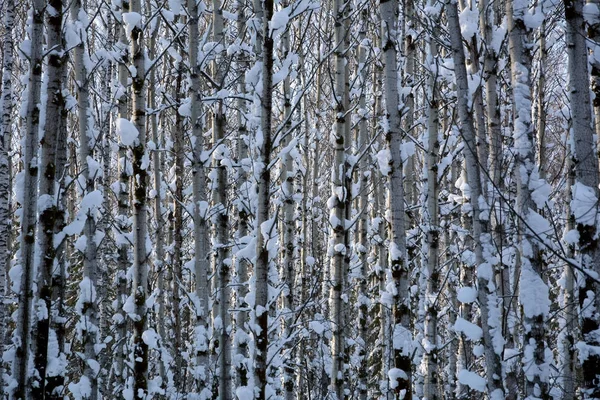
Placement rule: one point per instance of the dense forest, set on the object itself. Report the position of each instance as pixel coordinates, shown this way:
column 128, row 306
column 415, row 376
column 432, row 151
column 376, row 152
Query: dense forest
column 299, row 199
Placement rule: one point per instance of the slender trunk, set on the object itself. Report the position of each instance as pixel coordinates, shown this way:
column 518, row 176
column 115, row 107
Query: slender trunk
column 200, row 207
column 585, row 193
column 431, row 384
column 541, row 103
column 178, row 227
column 160, row 265
column 221, row 220
column 86, row 305
column 139, row 289
column 535, row 309
column 56, row 379
column 48, row 201
column 566, row 342
column 25, row 264
column 486, row 297
column 5, row 127
column 263, row 224
column 401, row 373
column 289, row 228
column 338, row 204
column 361, row 246
column 122, row 219
column 410, row 182
column 243, row 213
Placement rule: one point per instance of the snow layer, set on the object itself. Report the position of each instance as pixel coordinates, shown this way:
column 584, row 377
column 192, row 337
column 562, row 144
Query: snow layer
column 127, row 132
column 471, row 379
column 584, row 204
column 533, row 293
column 470, row 330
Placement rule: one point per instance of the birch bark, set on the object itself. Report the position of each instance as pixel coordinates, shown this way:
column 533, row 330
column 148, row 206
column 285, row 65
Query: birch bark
column 431, row 384
column 486, row 297
column 263, row 223
column 48, row 199
column 526, row 171
column 585, row 163
column 240, row 341
column 218, row 177
column 5, row 126
column 122, row 218
column 86, row 305
column 200, row 207
column 139, row 289
column 338, row 204
column 20, row 372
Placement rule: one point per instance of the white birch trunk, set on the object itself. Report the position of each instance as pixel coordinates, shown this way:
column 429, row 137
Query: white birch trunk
column 122, row 219
column 139, row 288
column 431, row 385
column 240, row 342
column 526, row 171
column 218, row 178
column 20, row 371
column 5, row 126
column 201, row 377
column 401, row 374
column 583, row 148
column 361, row 246
column 487, row 298
column 49, row 209
column 263, row 223
column 86, row 306
column 338, row 204
column 566, row 339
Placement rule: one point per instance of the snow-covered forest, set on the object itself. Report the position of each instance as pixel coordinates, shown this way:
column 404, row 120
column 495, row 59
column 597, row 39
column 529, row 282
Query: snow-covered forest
column 299, row 199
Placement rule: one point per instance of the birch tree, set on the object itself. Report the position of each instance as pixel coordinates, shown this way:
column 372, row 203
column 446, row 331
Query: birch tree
column 5, row 128
column 24, row 269
column 87, row 307
column 139, row 287
column 264, row 225
column 487, row 298
column 338, row 203
column 49, row 204
column 200, row 208
column 584, row 206
column 535, row 309
column 400, row 374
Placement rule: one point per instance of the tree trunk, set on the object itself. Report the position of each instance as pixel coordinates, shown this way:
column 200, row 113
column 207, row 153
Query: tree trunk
column 263, row 224
column 122, row 219
column 361, row 246
column 48, row 201
column 585, row 194
column 25, row 264
column 86, row 305
column 338, row 204
column 535, row 310
column 431, row 385
column 486, row 297
column 401, row 374
column 5, row 127
column 200, row 208
column 218, row 177
column 240, row 358
column 140, row 252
